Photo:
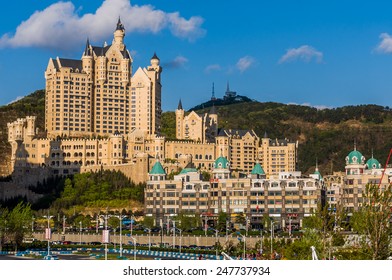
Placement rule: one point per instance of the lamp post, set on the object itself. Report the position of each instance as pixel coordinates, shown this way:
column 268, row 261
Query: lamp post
column 64, row 224
column 244, row 239
column 48, row 233
column 80, row 233
column 180, row 238
column 216, row 242
column 246, row 225
column 149, row 238
column 32, row 224
column 227, row 230
column 174, row 234
column 120, row 235
column 261, row 241
column 132, row 221
column 272, row 236
column 134, row 247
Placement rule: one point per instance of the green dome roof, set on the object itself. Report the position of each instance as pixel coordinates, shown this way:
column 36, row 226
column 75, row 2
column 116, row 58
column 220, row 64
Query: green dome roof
column 186, row 170
column 372, row 163
column 221, row 162
column 258, row 170
column 355, row 157
column 157, row 169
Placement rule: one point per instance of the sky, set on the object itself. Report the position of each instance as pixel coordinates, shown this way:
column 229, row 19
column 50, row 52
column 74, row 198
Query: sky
column 323, row 54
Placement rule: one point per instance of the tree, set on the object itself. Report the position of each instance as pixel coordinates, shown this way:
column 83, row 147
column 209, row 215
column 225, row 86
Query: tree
column 222, row 220
column 322, row 222
column 18, row 221
column 373, row 221
column 148, row 222
column 240, row 218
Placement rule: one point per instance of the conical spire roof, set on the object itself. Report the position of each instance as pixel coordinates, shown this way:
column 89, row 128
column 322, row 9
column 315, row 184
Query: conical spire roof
column 257, row 170
column 180, row 105
column 120, row 26
column 87, row 51
column 157, row 169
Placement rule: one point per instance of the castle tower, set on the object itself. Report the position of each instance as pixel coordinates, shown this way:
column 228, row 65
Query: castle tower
column 180, row 121
column 213, row 124
column 154, row 73
column 87, row 59
column 119, row 35
column 30, row 131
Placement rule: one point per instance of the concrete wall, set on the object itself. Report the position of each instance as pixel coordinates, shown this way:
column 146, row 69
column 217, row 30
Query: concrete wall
column 143, row 239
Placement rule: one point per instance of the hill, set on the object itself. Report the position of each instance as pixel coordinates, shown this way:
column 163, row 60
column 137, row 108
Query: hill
column 221, row 102
column 326, row 135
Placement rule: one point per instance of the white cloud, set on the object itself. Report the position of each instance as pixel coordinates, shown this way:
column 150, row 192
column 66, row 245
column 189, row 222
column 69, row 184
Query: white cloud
column 60, row 25
column 15, row 100
column 385, row 45
column 212, row 67
column 244, row 63
column 318, row 107
column 178, row 62
column 304, row 53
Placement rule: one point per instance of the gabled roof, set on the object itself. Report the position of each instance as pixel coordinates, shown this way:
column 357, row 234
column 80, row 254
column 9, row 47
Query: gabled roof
column 235, row 132
column 100, row 51
column 70, row 63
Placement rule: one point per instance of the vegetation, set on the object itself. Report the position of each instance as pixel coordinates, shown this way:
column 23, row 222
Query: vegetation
column 99, row 189
column 14, row 224
column 373, row 222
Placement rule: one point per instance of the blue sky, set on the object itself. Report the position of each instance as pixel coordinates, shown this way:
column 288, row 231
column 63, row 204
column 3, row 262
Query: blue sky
column 327, row 54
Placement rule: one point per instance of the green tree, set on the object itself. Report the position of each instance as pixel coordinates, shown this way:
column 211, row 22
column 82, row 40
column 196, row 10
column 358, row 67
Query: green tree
column 222, row 218
column 372, row 221
column 148, row 221
column 322, row 222
column 18, row 223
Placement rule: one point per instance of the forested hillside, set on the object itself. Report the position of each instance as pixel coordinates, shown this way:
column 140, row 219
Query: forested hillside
column 326, row 135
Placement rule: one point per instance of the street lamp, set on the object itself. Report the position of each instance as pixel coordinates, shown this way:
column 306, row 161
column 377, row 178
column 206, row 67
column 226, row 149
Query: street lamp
column 272, row 236
column 64, row 224
column 80, row 233
column 120, row 217
column 174, row 234
column 149, row 238
column 32, row 224
column 244, row 238
column 261, row 241
column 132, row 222
column 134, row 247
column 247, row 225
column 180, row 238
column 216, row 241
column 48, row 233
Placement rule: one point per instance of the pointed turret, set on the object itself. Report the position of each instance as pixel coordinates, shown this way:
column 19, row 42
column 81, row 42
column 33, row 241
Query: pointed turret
column 87, row 51
column 119, row 34
column 120, row 26
column 154, row 60
column 180, row 105
column 213, row 110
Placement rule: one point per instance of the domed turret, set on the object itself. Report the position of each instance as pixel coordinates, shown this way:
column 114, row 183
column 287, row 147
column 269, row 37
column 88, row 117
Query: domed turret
column 355, row 163
column 373, row 163
column 221, row 168
column 221, row 163
column 155, row 60
column 355, row 157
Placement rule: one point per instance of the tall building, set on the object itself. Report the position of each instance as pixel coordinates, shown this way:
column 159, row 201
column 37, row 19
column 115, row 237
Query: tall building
column 98, row 96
